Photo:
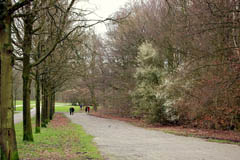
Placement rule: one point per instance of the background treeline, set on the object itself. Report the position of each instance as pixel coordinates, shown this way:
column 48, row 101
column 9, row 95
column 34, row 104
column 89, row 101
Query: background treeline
column 170, row 62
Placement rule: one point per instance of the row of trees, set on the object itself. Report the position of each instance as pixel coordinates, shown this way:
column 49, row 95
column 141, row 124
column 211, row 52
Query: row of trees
column 40, row 39
column 172, row 61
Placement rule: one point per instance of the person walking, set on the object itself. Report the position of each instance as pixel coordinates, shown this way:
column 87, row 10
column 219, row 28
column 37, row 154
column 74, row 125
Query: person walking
column 88, row 109
column 71, row 110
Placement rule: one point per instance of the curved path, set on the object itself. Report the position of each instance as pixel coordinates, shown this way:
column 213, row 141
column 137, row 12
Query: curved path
column 18, row 117
column 122, row 141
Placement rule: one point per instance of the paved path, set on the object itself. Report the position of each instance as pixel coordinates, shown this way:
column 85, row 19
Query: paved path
column 18, row 117
column 122, row 141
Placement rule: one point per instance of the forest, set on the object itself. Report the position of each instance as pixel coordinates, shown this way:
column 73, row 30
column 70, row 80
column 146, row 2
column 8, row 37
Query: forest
column 168, row 62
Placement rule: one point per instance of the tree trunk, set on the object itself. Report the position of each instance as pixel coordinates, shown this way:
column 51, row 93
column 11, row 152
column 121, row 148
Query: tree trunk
column 27, row 48
column 27, row 124
column 44, row 108
column 38, row 118
column 8, row 148
column 48, row 105
column 54, row 100
column 0, row 103
column 93, row 98
column 51, row 106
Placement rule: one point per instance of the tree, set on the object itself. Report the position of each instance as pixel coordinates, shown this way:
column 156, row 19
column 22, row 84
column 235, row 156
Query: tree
column 57, row 34
column 7, row 132
column 197, row 47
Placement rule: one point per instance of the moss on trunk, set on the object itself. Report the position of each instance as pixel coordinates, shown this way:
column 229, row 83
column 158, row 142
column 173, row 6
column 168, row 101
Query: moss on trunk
column 27, row 48
column 8, row 148
column 27, row 125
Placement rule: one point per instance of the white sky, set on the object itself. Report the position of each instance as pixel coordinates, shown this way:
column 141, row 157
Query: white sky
column 103, row 9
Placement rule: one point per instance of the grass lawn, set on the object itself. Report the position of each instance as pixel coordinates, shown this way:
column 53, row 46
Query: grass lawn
column 62, row 104
column 60, row 107
column 66, row 108
column 19, row 102
column 18, row 109
column 61, row 140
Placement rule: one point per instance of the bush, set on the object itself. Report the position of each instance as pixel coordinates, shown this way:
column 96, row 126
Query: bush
column 150, row 103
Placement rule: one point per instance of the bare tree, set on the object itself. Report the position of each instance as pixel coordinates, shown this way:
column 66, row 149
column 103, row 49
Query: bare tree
column 8, row 139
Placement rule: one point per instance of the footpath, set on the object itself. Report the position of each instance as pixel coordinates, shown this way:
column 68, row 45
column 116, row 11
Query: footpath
column 119, row 140
column 18, row 117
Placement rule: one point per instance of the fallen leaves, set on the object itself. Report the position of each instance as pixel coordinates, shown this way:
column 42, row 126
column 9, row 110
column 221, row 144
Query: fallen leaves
column 59, row 121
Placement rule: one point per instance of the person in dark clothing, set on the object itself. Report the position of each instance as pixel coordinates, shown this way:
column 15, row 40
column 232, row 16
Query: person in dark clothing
column 88, row 109
column 81, row 106
column 71, row 110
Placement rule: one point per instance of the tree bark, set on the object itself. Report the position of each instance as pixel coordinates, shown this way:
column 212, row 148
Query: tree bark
column 8, row 148
column 93, row 98
column 48, row 105
column 38, row 116
column 44, row 108
column 0, row 106
column 27, row 48
column 54, row 100
column 51, row 106
column 27, row 124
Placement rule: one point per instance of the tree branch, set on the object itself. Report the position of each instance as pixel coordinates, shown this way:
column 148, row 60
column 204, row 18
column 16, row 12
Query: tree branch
column 18, row 5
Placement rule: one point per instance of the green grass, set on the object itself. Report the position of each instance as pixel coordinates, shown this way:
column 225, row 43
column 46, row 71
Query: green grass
column 67, row 141
column 18, row 109
column 223, row 141
column 62, row 104
column 66, row 108
column 19, row 102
